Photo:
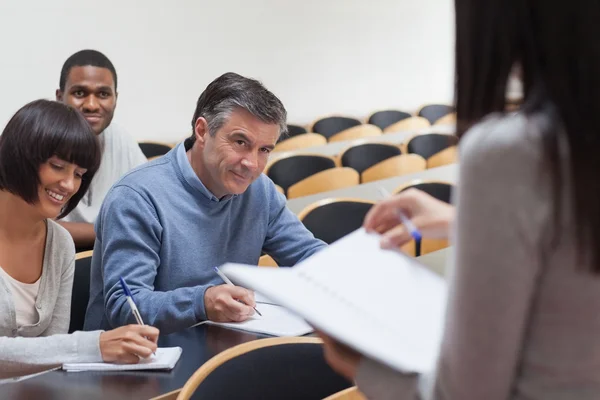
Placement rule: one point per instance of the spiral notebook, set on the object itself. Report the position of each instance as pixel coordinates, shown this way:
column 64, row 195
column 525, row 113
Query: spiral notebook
column 379, row 302
column 165, row 358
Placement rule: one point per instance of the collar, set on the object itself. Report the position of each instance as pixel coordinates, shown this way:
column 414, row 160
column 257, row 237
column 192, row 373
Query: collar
column 189, row 175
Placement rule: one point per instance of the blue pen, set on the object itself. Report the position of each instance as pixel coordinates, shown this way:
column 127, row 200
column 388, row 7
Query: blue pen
column 134, row 309
column 412, row 229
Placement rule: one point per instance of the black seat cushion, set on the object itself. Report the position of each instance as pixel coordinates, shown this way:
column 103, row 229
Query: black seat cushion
column 80, row 294
column 333, row 221
column 366, row 155
column 154, row 149
column 433, row 112
column 430, row 144
column 287, row 171
column 288, row 371
column 383, row 119
column 331, row 125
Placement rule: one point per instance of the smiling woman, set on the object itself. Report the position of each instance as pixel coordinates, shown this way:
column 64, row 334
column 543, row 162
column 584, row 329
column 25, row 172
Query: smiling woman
column 48, row 156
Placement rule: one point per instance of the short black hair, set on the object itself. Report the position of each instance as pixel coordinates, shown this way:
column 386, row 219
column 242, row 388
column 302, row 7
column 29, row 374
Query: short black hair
column 230, row 91
column 85, row 58
column 38, row 131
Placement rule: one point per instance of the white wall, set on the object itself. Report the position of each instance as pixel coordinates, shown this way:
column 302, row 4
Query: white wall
column 318, row 56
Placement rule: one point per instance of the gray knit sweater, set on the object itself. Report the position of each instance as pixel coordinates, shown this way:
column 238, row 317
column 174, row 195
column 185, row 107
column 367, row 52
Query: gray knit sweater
column 523, row 318
column 46, row 342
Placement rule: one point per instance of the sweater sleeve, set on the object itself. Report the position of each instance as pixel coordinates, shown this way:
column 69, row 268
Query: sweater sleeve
column 130, row 241
column 497, row 267
column 288, row 241
column 16, row 352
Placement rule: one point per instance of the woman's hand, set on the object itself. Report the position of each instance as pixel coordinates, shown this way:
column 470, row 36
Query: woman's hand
column 430, row 216
column 125, row 345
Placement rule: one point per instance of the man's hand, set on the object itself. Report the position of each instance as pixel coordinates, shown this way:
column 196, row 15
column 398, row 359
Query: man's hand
column 227, row 303
column 340, row 358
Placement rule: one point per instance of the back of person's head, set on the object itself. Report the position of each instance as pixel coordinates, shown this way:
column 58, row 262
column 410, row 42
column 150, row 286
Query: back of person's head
column 231, row 91
column 86, row 58
column 554, row 44
column 38, row 131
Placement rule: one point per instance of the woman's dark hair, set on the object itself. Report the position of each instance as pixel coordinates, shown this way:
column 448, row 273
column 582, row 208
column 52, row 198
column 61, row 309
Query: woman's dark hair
column 38, row 131
column 555, row 45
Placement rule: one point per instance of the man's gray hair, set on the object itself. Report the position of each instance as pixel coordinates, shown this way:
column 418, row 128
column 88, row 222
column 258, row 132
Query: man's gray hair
column 230, row 91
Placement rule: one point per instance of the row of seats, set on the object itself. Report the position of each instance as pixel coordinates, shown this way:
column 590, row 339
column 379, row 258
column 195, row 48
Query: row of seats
column 337, row 128
column 305, row 174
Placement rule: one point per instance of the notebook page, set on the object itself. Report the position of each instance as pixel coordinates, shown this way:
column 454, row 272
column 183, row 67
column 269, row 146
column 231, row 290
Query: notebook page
column 165, row 358
column 275, row 321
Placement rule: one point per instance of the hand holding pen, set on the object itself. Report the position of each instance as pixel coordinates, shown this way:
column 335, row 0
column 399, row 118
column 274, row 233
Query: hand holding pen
column 408, row 215
column 227, row 281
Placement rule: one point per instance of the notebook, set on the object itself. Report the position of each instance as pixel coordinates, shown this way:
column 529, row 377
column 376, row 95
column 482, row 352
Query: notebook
column 380, row 302
column 275, row 321
column 165, row 358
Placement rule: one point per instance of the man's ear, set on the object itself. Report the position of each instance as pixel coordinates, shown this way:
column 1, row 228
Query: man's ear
column 201, row 130
column 59, row 95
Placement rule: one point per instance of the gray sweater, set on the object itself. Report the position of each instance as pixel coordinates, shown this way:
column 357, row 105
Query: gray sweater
column 46, row 342
column 518, row 325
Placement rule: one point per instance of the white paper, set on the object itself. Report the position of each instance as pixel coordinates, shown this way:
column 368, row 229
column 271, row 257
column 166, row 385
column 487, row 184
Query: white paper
column 275, row 321
column 380, row 302
column 165, row 358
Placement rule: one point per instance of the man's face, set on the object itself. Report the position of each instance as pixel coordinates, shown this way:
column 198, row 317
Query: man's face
column 91, row 90
column 237, row 154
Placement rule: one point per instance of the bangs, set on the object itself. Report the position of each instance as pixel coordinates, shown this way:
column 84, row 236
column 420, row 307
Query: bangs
column 68, row 136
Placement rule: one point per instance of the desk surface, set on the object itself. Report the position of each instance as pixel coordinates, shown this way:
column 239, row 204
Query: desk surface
column 199, row 345
column 335, row 148
column 368, row 191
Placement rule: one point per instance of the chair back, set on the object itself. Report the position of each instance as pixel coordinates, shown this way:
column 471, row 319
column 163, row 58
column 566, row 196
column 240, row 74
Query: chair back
column 356, row 132
column 301, row 141
column 362, row 156
column 394, row 166
column 332, row 219
column 289, row 170
column 448, row 119
column 80, row 294
column 268, row 369
column 385, row 118
column 429, row 144
column 324, row 181
column 433, row 112
column 347, row 394
column 295, row 130
column 329, row 126
column 408, row 124
column 153, row 149
column 447, row 156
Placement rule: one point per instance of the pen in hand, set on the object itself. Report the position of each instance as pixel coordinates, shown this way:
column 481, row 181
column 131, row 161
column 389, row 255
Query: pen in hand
column 412, row 229
column 227, row 281
column 134, row 309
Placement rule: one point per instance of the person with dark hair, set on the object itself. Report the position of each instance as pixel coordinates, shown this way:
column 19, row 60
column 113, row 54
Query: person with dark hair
column 164, row 226
column 524, row 300
column 48, row 156
column 88, row 82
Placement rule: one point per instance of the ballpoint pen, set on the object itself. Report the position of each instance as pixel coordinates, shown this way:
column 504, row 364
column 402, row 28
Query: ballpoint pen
column 412, row 229
column 227, row 281
column 131, row 303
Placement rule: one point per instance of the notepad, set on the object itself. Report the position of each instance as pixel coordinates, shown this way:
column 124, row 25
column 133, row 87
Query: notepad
column 165, row 358
column 275, row 321
column 380, row 302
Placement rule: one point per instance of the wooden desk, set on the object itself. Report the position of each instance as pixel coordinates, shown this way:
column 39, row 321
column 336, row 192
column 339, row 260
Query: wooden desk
column 199, row 344
column 335, row 148
column 368, row 191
